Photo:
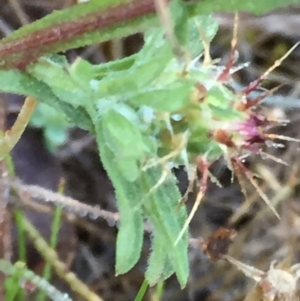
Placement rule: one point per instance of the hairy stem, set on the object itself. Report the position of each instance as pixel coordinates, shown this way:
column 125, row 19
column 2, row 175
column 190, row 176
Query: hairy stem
column 21, row 51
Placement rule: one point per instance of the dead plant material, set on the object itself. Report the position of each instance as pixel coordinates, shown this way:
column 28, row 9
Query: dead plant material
column 277, row 284
column 217, row 244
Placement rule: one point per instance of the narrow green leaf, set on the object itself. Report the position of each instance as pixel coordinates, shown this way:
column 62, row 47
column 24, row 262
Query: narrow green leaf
column 170, row 98
column 53, row 122
column 219, row 102
column 128, row 167
column 82, row 72
column 180, row 18
column 159, row 267
column 148, row 65
column 125, row 63
column 131, row 232
column 54, row 71
column 14, row 81
column 205, row 23
column 125, row 140
column 160, row 209
column 168, row 270
column 157, row 259
column 122, row 136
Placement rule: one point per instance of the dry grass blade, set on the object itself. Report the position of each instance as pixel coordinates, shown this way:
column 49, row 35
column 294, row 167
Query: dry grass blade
column 192, row 177
column 265, row 155
column 51, row 256
column 248, row 270
column 249, row 175
column 23, row 18
column 12, row 136
column 167, row 23
column 281, row 137
column 190, row 217
column 203, row 166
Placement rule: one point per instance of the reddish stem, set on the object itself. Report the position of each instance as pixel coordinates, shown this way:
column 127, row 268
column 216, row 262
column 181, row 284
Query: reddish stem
column 224, row 76
column 203, row 166
column 20, row 52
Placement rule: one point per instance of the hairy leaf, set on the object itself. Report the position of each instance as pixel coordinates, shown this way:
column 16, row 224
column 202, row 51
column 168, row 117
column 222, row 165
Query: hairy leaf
column 160, row 208
column 53, row 122
column 167, row 99
column 54, row 71
column 158, row 266
column 148, row 64
column 130, row 235
column 14, row 81
column 126, row 142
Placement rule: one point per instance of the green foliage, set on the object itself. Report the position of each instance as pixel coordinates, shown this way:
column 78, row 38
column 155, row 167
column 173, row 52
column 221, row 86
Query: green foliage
column 95, row 21
column 12, row 285
column 53, row 122
column 142, row 291
column 53, row 243
column 160, row 208
column 131, row 219
column 112, row 100
column 18, row 272
column 14, row 81
column 147, row 111
column 256, row 6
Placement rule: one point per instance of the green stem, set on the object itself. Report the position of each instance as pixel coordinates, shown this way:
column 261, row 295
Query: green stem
column 20, row 271
column 18, row 215
column 60, row 268
column 142, row 291
column 53, row 242
column 21, row 235
column 159, row 290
